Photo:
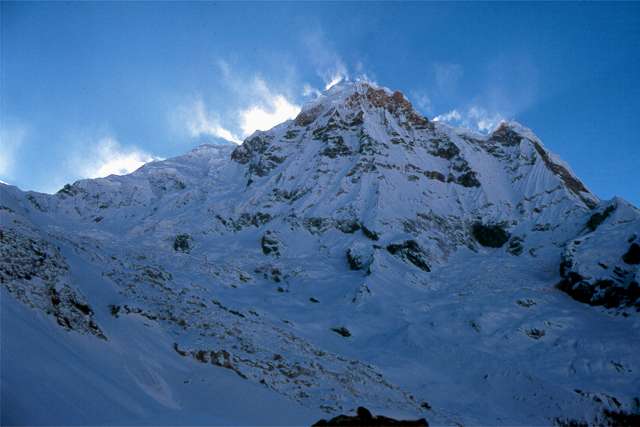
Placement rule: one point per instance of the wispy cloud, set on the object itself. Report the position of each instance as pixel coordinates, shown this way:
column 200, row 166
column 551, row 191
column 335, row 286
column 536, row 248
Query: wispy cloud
column 508, row 86
column 475, row 118
column 422, row 101
column 12, row 137
column 451, row 116
column 108, row 157
column 267, row 109
column 255, row 105
column 336, row 78
column 310, row 91
column 329, row 65
column 201, row 122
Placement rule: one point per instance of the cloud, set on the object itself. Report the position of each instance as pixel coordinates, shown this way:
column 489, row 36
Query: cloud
column 336, row 78
column 475, row 118
column 422, row 101
column 451, row 116
column 245, row 105
column 108, row 157
column 507, row 86
column 328, row 64
column 310, row 91
column 267, row 110
column 12, row 137
column 483, row 120
column 201, row 122
column 512, row 84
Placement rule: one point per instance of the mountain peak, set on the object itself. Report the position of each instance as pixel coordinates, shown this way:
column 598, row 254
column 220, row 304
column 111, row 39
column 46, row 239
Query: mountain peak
column 316, row 258
column 357, row 98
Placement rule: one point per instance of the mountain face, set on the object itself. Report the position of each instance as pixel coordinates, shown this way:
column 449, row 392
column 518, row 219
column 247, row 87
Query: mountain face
column 359, row 255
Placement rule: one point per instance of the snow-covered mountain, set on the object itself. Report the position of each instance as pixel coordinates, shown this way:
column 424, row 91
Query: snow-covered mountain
column 359, row 255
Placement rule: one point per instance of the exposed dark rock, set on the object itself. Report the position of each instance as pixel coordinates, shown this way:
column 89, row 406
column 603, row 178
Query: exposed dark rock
column 632, row 256
column 515, row 246
column 603, row 292
column 505, row 135
column 396, row 104
column 317, row 225
column 34, row 201
column 609, row 285
column 221, row 358
column 599, row 217
column 527, row 302
column 364, row 418
column 69, row 190
column 342, row 331
column 270, row 272
column 289, row 196
column 370, row 234
column 348, row 226
column 114, row 310
column 353, row 260
column 360, row 257
column 357, row 120
column 336, row 147
column 435, row 175
column 572, row 183
column 424, row 404
column 259, row 154
column 270, row 244
column 182, row 243
column 567, row 422
column 244, row 152
column 291, row 134
column 535, row 333
column 307, row 117
column 411, row 251
column 609, row 417
column 245, row 220
column 82, row 307
column 468, row 179
column 36, row 274
column 444, row 149
column 621, row 418
column 492, row 236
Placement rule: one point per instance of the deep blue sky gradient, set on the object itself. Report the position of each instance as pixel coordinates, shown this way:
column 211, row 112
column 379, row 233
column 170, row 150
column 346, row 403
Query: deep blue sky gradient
column 72, row 73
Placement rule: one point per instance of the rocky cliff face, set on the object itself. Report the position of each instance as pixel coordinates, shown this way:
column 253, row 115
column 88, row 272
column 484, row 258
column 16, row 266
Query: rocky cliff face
column 357, row 255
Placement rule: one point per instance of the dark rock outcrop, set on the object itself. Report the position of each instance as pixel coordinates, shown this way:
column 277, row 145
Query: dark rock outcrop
column 270, row 244
column 364, row 417
column 632, row 256
column 505, row 135
column 492, row 236
column 603, row 292
column 599, row 217
column 360, row 257
column 410, row 250
column 515, row 246
column 342, row 331
column 35, row 272
column 182, row 243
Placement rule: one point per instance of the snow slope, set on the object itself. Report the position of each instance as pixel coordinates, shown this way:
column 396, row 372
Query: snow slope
column 359, row 255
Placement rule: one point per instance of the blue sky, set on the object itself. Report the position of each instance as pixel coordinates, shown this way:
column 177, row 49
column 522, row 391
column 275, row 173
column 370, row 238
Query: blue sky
column 92, row 88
